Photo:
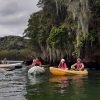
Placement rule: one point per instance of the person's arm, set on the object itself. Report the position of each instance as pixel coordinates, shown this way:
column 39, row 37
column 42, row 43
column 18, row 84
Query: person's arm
column 40, row 63
column 73, row 66
column 32, row 63
column 59, row 66
column 66, row 66
column 82, row 66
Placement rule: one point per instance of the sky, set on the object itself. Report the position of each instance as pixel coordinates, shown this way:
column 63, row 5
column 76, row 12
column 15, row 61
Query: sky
column 14, row 15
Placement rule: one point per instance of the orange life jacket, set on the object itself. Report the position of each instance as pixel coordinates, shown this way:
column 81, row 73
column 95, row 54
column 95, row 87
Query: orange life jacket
column 37, row 62
column 79, row 65
column 62, row 66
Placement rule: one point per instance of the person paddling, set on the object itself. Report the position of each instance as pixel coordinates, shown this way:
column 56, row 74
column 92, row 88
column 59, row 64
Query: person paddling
column 5, row 61
column 37, row 62
column 79, row 65
column 62, row 64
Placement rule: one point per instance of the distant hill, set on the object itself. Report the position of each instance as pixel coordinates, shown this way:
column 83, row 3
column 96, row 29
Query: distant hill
column 15, row 48
column 13, row 42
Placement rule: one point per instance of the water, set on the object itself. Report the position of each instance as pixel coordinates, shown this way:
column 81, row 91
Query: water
column 17, row 85
column 12, row 85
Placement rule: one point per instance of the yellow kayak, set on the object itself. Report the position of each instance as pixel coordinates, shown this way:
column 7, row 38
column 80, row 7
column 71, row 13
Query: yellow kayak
column 58, row 71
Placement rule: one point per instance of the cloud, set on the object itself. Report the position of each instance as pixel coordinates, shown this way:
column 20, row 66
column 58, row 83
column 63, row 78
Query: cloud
column 14, row 15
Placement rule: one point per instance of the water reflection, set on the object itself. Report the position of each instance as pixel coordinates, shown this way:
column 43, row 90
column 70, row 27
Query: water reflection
column 35, row 79
column 58, row 78
column 61, row 83
column 76, row 87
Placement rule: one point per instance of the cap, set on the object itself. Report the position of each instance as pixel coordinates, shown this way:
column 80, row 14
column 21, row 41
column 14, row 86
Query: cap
column 62, row 60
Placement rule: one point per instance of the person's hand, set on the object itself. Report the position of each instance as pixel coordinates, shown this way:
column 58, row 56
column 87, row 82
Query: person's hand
column 73, row 68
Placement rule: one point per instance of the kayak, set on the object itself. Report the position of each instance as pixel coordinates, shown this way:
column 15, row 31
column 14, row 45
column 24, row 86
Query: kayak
column 10, row 65
column 58, row 71
column 36, row 70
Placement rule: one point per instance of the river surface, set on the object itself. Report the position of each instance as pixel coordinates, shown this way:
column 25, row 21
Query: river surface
column 18, row 85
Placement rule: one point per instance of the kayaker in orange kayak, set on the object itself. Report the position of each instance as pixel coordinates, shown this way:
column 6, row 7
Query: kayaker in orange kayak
column 79, row 65
column 62, row 64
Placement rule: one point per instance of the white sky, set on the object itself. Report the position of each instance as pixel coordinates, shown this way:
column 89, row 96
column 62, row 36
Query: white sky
column 14, row 15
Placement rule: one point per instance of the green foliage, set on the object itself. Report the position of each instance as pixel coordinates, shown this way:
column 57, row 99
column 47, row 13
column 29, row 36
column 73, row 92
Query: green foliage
column 16, row 54
column 58, row 37
column 72, row 27
column 15, row 47
column 13, row 42
column 78, row 44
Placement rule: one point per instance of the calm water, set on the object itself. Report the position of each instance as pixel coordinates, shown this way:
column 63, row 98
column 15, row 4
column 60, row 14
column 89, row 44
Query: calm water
column 17, row 85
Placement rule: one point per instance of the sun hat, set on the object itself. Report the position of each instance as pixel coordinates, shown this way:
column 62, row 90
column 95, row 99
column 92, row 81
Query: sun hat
column 62, row 60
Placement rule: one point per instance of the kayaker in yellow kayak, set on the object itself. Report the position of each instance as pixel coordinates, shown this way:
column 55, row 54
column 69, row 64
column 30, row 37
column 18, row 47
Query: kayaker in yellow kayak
column 62, row 64
column 78, row 66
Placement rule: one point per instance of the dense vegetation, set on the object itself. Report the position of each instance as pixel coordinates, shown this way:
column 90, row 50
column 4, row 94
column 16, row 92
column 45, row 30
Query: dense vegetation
column 66, row 28
column 15, row 48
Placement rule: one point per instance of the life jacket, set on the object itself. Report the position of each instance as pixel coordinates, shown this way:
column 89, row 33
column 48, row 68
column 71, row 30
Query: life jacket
column 79, row 65
column 37, row 63
column 62, row 66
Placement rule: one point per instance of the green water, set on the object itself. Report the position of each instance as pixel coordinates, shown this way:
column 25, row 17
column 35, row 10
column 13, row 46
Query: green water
column 65, row 87
column 17, row 85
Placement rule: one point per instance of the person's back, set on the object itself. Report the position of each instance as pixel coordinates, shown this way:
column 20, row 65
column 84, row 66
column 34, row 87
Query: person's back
column 5, row 61
column 62, row 64
column 37, row 62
